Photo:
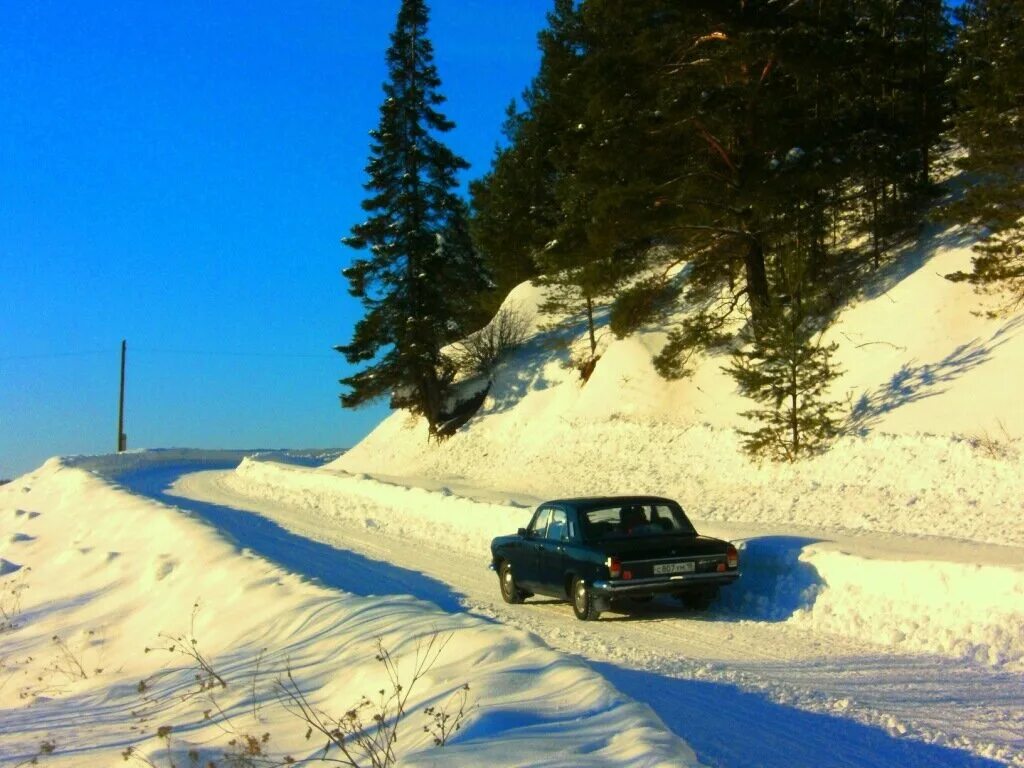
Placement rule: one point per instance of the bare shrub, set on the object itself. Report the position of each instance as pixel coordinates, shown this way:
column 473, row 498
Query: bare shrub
column 72, row 660
column 68, row 661
column 10, row 600
column 186, row 644
column 994, row 446
column 365, row 735
column 45, row 748
column 480, row 352
column 447, row 719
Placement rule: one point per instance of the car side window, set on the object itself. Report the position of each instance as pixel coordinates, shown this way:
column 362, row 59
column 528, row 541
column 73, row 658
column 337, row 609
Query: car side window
column 539, row 522
column 557, row 526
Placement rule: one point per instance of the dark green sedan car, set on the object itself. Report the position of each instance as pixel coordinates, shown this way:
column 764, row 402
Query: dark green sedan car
column 596, row 550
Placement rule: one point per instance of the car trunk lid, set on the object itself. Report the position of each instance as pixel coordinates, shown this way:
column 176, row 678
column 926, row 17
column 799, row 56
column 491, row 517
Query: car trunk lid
column 652, row 557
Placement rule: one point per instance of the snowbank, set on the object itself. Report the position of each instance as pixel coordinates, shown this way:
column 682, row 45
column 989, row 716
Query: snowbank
column 908, row 484
column 108, row 573
column 908, row 598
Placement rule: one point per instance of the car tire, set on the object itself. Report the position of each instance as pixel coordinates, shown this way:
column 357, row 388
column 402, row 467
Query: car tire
column 698, row 601
column 583, row 603
column 510, row 591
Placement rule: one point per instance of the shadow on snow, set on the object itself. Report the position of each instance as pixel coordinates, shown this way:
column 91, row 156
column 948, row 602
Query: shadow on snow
column 330, row 566
column 523, row 370
column 775, row 584
column 721, row 722
column 913, row 382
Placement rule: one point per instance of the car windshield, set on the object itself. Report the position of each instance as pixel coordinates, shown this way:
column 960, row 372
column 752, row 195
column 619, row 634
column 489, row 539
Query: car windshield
column 634, row 521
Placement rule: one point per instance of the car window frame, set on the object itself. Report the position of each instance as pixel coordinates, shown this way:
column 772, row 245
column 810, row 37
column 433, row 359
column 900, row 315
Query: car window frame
column 565, row 528
column 532, row 533
column 673, row 507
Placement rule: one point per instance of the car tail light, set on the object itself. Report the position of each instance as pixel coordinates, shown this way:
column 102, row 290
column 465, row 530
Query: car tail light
column 627, row 574
column 732, row 557
column 614, row 567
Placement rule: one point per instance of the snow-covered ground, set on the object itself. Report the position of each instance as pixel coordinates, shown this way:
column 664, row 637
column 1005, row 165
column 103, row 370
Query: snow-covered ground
column 775, row 675
column 959, row 599
column 881, row 632
column 93, row 576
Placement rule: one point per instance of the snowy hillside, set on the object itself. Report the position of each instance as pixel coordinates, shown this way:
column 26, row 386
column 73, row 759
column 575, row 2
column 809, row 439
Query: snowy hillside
column 930, row 386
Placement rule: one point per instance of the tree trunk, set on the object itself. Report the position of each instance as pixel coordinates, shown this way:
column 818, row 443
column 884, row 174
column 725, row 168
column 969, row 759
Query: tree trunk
column 757, row 280
column 793, row 416
column 430, row 399
column 590, row 326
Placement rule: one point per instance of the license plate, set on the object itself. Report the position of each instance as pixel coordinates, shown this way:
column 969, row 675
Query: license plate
column 674, row 568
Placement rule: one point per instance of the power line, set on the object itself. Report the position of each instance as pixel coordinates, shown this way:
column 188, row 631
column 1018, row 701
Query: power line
column 232, row 353
column 47, row 355
column 186, row 352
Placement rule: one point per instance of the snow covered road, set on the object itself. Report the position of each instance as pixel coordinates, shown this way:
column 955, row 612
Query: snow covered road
column 739, row 691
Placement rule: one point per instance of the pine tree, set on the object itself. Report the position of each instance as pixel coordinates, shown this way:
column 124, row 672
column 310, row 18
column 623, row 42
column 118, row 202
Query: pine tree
column 729, row 131
column 421, row 264
column 786, row 368
column 899, row 108
column 990, row 126
column 515, row 211
column 511, row 212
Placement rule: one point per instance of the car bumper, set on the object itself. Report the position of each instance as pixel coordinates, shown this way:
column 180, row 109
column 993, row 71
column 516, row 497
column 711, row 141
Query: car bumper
column 663, row 584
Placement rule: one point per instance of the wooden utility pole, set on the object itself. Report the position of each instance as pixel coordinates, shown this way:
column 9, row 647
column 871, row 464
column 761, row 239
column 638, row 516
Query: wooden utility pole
column 122, row 438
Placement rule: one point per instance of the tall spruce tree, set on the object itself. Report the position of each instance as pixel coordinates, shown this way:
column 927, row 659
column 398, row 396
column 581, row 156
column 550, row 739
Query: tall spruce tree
column 729, row 130
column 421, row 264
column 511, row 212
column 990, row 126
column 515, row 210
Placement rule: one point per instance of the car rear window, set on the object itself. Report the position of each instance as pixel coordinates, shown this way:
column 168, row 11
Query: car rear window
column 634, row 521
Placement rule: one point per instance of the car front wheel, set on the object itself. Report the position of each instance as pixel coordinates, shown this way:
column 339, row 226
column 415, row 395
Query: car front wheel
column 510, row 593
column 583, row 604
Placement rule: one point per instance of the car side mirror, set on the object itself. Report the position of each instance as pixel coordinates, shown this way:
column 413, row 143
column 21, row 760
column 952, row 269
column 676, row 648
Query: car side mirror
column 523, row 532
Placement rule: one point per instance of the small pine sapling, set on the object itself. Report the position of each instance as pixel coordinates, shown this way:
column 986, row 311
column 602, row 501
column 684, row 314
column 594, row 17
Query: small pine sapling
column 786, row 367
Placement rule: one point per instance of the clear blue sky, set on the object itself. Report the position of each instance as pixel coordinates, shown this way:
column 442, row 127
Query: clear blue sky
column 179, row 174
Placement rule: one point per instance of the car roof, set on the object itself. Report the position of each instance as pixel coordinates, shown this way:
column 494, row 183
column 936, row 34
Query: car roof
column 592, row 502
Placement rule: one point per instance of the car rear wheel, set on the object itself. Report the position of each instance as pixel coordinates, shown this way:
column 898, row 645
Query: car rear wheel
column 510, row 592
column 583, row 604
column 698, row 601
